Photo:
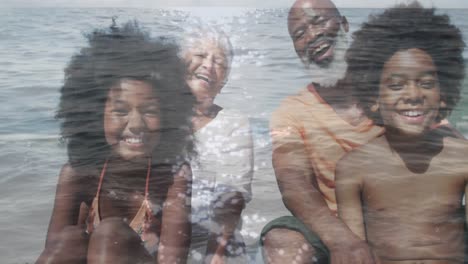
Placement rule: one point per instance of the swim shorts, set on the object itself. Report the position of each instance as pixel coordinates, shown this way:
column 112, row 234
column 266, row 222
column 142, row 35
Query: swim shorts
column 292, row 223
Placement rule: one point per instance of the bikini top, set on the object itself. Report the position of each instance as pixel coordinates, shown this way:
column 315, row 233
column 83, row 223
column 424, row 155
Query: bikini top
column 145, row 224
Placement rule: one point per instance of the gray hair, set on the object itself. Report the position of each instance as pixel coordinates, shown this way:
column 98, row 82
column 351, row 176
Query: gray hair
column 197, row 31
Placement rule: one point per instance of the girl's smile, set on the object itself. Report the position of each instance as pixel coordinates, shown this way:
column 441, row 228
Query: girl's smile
column 131, row 119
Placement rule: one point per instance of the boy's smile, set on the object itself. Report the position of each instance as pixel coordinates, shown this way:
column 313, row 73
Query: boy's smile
column 409, row 94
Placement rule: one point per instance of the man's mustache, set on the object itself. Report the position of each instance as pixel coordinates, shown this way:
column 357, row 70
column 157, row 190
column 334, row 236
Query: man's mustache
column 311, row 46
column 313, row 43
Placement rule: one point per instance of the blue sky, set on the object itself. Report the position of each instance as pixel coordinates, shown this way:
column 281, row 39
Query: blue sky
column 237, row 3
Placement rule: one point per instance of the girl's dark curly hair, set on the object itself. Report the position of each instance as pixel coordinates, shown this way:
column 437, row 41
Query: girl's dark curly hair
column 113, row 54
column 401, row 28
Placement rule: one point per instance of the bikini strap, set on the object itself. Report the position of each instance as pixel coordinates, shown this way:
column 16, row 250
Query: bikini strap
column 103, row 172
column 148, row 173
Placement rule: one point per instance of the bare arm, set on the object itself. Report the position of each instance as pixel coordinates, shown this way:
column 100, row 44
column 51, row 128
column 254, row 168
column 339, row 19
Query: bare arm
column 232, row 189
column 67, row 202
column 302, row 198
column 294, row 175
column 225, row 219
column 176, row 228
column 348, row 194
column 66, row 208
column 466, row 199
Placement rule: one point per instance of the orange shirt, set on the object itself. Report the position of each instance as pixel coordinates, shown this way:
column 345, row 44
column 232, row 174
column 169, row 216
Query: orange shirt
column 306, row 118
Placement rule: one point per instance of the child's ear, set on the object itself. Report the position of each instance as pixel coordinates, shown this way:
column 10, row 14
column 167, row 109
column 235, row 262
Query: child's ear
column 442, row 104
column 375, row 107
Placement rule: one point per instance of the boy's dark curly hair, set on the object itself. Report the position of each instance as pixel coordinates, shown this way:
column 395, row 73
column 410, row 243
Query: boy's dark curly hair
column 401, row 28
column 113, row 54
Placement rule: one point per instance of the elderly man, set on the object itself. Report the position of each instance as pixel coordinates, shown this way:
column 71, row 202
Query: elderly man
column 311, row 131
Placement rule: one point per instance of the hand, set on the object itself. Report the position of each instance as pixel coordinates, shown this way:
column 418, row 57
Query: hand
column 217, row 259
column 218, row 256
column 83, row 215
column 70, row 245
column 352, row 252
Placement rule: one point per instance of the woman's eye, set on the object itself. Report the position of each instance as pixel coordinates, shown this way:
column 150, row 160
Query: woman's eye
column 220, row 62
column 119, row 111
column 427, row 84
column 151, row 112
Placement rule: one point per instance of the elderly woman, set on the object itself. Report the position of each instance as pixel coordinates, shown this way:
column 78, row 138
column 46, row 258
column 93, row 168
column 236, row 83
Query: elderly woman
column 223, row 171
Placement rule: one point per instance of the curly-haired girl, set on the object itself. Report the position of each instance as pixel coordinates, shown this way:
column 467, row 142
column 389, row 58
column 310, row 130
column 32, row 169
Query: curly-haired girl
column 124, row 195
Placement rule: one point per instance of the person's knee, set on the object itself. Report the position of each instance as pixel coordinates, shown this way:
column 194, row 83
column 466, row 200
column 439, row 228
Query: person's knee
column 113, row 228
column 281, row 245
column 281, row 237
column 114, row 241
column 69, row 236
column 72, row 231
column 70, row 246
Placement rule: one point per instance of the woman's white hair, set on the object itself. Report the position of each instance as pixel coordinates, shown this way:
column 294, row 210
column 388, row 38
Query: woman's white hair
column 195, row 32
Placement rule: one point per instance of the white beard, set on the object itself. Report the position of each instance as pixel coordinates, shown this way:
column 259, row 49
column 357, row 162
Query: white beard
column 329, row 75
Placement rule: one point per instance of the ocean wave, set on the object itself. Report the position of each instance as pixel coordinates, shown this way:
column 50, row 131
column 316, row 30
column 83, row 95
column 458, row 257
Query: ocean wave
column 28, row 137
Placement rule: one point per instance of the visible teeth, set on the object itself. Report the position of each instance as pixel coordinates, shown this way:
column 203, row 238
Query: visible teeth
column 134, row 140
column 412, row 113
column 203, row 77
column 321, row 48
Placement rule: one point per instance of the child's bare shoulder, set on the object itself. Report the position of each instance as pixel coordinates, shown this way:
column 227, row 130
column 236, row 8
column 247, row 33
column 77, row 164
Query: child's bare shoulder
column 362, row 160
column 455, row 150
column 366, row 153
column 456, row 144
column 68, row 174
column 75, row 181
column 71, row 173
